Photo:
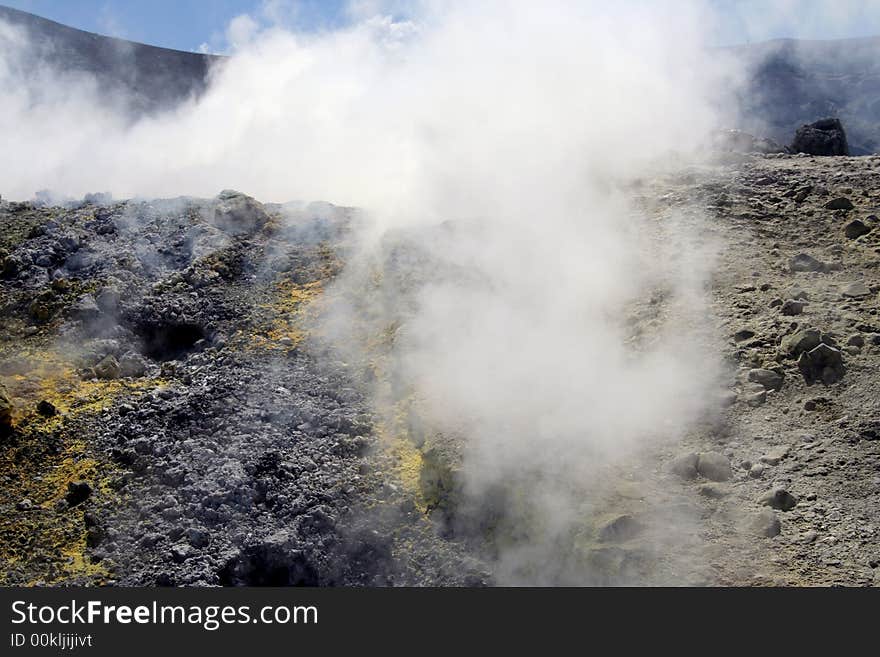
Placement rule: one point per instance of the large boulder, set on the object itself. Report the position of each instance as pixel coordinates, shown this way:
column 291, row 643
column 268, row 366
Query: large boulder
column 824, row 137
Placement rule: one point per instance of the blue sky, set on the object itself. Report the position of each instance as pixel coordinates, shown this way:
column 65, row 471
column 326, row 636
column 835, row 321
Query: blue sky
column 187, row 24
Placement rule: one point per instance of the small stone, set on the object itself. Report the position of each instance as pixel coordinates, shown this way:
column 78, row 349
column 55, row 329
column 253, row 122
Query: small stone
column 795, row 344
column 181, row 552
column 856, row 290
column 855, row 229
column 798, row 293
column 810, row 536
column 24, row 505
column 108, row 368
column 770, row 379
column 86, row 308
column 757, row 471
column 856, row 341
column 714, row 466
column 773, row 457
column 792, row 307
column 805, row 263
column 77, row 492
column 198, row 538
column 778, row 498
column 839, row 203
column 46, row 409
column 756, row 399
column 765, row 524
column 743, row 334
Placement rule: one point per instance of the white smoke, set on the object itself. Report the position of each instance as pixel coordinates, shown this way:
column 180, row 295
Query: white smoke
column 525, row 124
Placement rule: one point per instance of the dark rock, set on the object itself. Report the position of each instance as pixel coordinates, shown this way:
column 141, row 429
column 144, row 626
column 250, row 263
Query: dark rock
column 804, row 263
column 824, row 137
column 46, row 408
column 839, row 203
column 823, row 363
column 77, row 492
column 181, row 552
column 778, row 498
column 792, row 307
column 743, row 334
column 855, row 229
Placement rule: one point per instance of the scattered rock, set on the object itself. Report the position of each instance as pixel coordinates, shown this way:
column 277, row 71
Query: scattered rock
column 86, row 308
column 855, row 229
column 778, row 498
column 824, row 363
column 108, row 368
column 757, row 471
column 792, row 307
column 714, row 466
column 840, row 203
column 798, row 293
column 756, row 399
column 46, row 409
column 856, row 340
column 801, row 341
column 181, row 552
column 774, row 456
column 770, row 379
column 77, row 492
column 743, row 334
column 803, row 262
column 856, row 290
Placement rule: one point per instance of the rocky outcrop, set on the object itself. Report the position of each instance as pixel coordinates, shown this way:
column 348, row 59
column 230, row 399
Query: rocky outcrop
column 824, row 137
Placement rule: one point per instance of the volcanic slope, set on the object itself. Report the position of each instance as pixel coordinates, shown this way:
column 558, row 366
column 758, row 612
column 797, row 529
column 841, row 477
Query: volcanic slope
column 178, row 419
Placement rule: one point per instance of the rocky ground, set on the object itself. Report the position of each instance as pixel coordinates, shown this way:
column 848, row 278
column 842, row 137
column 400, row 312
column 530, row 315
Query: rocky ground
column 174, row 419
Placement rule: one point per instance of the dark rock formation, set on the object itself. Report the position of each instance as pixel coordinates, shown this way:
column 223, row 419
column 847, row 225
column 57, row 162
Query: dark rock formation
column 824, row 137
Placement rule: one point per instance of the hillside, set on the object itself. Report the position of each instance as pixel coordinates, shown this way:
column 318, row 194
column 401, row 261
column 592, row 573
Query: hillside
column 148, row 78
